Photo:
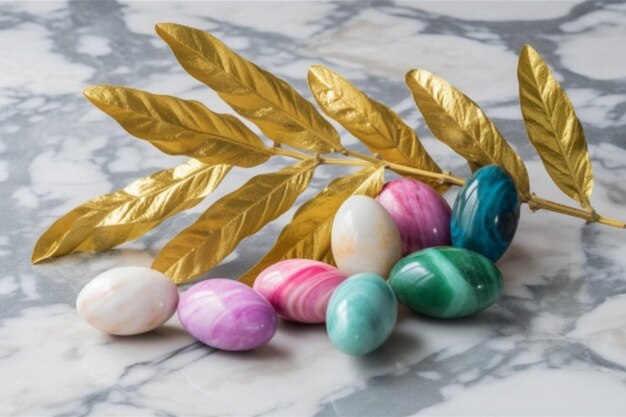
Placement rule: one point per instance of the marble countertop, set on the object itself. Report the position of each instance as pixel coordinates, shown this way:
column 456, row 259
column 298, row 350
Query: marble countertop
column 555, row 344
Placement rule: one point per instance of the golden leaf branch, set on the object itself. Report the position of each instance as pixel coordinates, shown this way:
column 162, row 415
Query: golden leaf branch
column 535, row 202
column 217, row 142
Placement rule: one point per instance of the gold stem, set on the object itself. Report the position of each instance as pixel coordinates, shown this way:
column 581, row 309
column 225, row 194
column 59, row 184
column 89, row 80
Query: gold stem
column 276, row 150
column 537, row 203
column 444, row 177
column 345, row 161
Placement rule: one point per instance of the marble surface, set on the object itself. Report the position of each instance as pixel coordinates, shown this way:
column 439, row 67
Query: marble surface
column 555, row 344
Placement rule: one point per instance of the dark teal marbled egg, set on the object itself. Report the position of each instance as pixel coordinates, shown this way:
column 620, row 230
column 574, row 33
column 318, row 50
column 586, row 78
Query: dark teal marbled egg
column 486, row 212
column 446, row 282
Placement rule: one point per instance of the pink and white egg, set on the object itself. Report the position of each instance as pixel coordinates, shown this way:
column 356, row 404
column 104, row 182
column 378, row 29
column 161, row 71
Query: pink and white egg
column 299, row 289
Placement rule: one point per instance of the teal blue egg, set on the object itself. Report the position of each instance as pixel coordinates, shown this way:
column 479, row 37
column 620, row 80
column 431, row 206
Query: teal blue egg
column 361, row 314
column 446, row 282
column 486, row 213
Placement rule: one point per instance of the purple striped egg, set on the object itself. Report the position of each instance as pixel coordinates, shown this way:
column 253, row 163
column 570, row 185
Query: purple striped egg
column 227, row 315
column 420, row 213
column 299, row 289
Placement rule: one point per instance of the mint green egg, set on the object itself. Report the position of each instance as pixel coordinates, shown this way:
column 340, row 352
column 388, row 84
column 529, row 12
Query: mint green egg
column 446, row 282
column 361, row 314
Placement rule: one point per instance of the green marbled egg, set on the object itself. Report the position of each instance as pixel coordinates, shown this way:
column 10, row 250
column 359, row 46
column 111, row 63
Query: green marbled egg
column 446, row 282
column 361, row 314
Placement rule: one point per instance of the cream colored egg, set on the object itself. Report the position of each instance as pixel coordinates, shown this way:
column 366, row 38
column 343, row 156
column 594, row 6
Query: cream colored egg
column 364, row 237
column 128, row 300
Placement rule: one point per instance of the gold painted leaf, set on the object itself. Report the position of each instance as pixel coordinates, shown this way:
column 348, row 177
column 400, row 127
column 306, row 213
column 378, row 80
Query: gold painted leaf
column 308, row 234
column 235, row 216
column 112, row 219
column 461, row 124
column 180, row 127
column 376, row 125
column 268, row 101
column 553, row 128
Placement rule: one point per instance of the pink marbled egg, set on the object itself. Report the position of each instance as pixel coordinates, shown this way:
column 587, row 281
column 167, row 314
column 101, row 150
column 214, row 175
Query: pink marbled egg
column 299, row 289
column 420, row 213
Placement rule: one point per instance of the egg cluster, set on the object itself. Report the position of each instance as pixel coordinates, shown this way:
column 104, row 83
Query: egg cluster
column 406, row 245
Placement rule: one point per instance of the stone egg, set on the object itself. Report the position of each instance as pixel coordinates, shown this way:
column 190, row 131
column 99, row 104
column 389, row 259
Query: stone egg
column 227, row 315
column 299, row 289
column 361, row 314
column 364, row 237
column 446, row 282
column 420, row 213
column 486, row 213
column 127, row 300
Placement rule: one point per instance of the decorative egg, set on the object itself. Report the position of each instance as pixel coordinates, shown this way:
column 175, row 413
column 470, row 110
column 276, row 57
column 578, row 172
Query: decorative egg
column 486, row 213
column 364, row 237
column 299, row 289
column 420, row 213
column 227, row 315
column 361, row 314
column 446, row 282
column 127, row 300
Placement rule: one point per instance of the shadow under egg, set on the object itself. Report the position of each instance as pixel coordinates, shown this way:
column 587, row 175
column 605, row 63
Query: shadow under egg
column 168, row 332
column 401, row 344
column 294, row 328
column 261, row 354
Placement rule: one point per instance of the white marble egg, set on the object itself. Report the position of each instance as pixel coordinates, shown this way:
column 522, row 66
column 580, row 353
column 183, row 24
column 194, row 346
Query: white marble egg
column 364, row 237
column 128, row 300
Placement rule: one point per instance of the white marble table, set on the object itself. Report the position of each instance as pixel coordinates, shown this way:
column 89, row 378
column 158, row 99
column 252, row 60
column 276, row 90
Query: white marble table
column 555, row 344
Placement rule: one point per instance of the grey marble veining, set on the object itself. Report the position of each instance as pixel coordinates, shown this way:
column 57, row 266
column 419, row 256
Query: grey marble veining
column 555, row 344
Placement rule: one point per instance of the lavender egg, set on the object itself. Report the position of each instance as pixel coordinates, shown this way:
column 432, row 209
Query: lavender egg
column 227, row 315
column 420, row 213
column 299, row 289
column 128, row 300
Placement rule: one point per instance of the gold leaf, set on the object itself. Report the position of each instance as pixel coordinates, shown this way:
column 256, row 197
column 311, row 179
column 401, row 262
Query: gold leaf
column 268, row 101
column 376, row 125
column 180, row 127
column 112, row 219
column 553, row 128
column 235, row 216
column 458, row 122
column 308, row 234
